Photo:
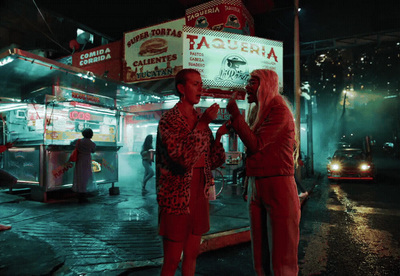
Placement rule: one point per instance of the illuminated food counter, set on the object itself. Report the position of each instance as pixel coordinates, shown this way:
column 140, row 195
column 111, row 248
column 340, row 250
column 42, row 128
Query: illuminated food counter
column 46, row 134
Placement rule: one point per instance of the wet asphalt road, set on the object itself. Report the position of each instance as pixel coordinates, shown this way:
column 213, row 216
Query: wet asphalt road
column 353, row 228
column 348, row 228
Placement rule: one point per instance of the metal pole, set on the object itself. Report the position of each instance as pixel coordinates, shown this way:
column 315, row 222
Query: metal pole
column 343, row 123
column 297, row 90
column 310, row 133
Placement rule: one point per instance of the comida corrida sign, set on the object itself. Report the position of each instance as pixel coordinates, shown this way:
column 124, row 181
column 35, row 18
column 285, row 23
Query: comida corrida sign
column 226, row 59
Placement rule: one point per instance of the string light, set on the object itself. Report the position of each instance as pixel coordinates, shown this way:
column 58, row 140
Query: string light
column 6, row 60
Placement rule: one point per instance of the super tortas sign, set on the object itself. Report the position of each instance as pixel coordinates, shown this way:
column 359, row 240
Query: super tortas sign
column 225, row 60
column 154, row 52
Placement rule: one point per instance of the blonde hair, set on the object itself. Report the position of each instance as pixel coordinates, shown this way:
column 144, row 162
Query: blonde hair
column 252, row 113
column 296, row 152
column 267, row 90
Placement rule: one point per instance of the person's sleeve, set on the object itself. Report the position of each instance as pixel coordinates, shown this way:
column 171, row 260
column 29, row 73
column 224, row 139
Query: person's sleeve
column 2, row 148
column 267, row 133
column 183, row 146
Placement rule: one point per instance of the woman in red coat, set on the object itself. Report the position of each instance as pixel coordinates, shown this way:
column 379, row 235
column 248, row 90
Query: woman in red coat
column 272, row 194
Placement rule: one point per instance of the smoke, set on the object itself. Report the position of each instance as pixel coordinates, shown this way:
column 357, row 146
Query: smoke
column 335, row 127
column 130, row 169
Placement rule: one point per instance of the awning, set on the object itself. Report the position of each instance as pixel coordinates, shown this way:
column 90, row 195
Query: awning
column 22, row 72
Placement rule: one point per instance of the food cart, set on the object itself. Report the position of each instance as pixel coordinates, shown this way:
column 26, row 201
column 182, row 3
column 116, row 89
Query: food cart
column 46, row 122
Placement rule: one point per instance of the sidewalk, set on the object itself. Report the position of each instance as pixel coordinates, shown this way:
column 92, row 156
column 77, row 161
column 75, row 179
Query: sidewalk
column 108, row 236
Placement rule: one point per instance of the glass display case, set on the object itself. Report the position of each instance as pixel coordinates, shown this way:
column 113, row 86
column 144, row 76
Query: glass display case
column 46, row 134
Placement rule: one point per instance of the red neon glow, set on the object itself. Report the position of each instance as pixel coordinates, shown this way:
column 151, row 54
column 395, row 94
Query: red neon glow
column 350, row 178
column 79, row 115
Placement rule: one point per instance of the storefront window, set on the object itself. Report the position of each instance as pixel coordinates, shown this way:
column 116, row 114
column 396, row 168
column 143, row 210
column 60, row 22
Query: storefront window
column 66, row 120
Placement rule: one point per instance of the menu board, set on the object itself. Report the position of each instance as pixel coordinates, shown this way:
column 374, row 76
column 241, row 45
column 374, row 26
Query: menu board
column 66, row 120
column 225, row 59
column 153, row 53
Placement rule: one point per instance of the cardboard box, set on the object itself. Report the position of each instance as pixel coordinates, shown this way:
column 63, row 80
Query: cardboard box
column 221, row 15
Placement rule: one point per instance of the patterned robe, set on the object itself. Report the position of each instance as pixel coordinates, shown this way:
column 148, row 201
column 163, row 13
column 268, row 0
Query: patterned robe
column 178, row 149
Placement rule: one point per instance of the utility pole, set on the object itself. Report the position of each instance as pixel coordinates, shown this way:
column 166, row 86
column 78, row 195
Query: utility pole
column 297, row 90
column 310, row 139
column 343, row 123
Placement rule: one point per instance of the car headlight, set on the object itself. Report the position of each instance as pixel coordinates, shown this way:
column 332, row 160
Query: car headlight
column 335, row 167
column 365, row 167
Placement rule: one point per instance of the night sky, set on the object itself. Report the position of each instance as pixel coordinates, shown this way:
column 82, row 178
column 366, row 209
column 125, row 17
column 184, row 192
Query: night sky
column 319, row 19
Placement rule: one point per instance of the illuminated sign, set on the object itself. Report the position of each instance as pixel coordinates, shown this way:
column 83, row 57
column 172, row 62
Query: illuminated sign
column 86, row 116
column 154, row 52
column 67, row 93
column 225, row 60
column 85, row 97
column 99, row 54
column 73, row 115
column 105, row 60
column 68, row 135
column 95, row 56
column 221, row 15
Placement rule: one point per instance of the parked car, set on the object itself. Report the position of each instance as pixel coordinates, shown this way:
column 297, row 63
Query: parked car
column 350, row 164
column 341, row 145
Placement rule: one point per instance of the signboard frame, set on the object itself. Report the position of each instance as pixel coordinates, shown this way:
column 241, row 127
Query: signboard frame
column 154, row 52
column 225, row 59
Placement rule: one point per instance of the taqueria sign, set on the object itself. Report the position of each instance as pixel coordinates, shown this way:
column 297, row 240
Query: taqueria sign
column 225, row 59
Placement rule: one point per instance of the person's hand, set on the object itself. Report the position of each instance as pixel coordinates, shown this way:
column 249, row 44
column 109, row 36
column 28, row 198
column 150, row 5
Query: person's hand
column 222, row 131
column 210, row 114
column 232, row 107
column 9, row 145
column 244, row 194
